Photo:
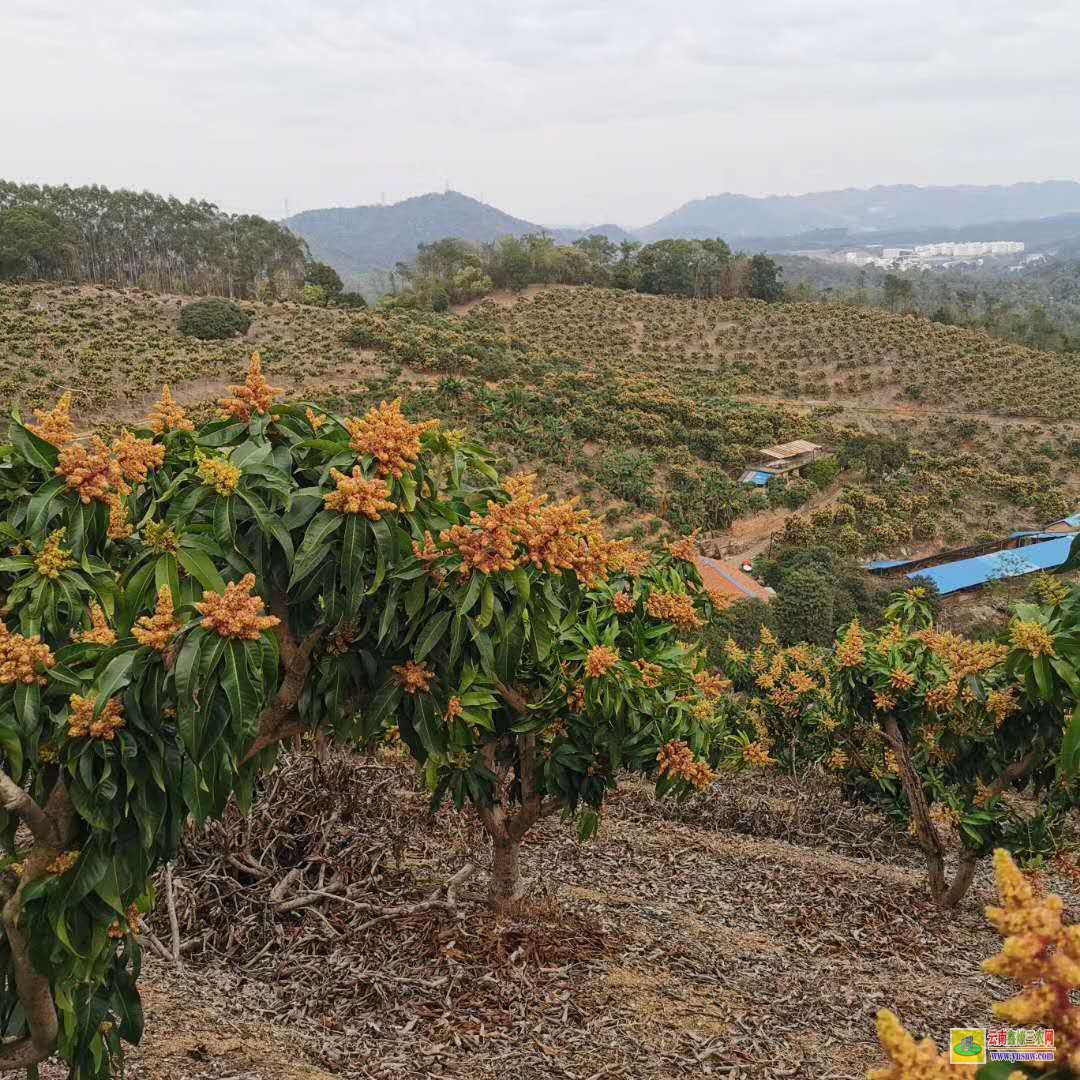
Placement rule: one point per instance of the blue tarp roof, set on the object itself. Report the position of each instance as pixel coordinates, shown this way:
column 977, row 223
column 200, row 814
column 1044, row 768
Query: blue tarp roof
column 966, row 573
column 886, row 564
column 758, row 479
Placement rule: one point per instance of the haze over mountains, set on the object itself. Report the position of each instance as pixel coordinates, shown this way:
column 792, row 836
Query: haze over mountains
column 363, row 238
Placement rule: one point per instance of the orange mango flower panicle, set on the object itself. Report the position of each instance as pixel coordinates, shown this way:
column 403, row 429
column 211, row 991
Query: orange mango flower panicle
column 676, row 761
column 100, row 632
column 136, row 457
column 851, row 651
column 911, row 1060
column 160, row 538
column 1041, row 954
column 599, row 660
column 385, row 434
column 623, row 603
column 157, row 631
column 166, row 415
column 120, row 527
column 414, row 678
column 712, row 684
column 316, row 420
column 454, row 709
column 54, row 558
column 255, row 395
column 94, row 474
column 219, row 474
column 685, row 548
column 675, row 608
column 23, row 660
column 54, row 425
column 236, row 613
column 81, row 722
column 62, row 863
column 355, row 495
column 629, row 559
column 756, row 754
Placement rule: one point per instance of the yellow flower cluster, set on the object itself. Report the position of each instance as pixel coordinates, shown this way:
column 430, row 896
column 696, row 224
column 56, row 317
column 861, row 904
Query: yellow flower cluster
column 157, row 631
column 23, row 659
column 961, row 656
column 316, row 420
column 256, row 395
column 81, row 721
column 236, row 613
column 851, row 651
column 355, row 495
column 901, row 679
column 675, row 608
column 676, row 760
column 54, row 425
column 94, row 475
column 100, row 632
column 911, row 1060
column 120, row 527
column 837, row 760
column 712, row 684
column 599, row 660
column 219, row 474
column 719, row 599
column 1032, row 637
column 631, row 560
column 167, row 415
column 684, row 548
column 386, row 435
column 651, row 674
column 454, row 709
column 734, row 652
column 54, row 558
column 623, row 603
column 160, row 538
column 129, row 926
column 413, row 677
column 1042, row 955
column 62, row 863
column 1049, row 588
column 757, row 754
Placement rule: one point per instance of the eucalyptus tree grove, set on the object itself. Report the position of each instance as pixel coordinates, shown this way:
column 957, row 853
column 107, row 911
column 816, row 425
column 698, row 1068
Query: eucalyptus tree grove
column 178, row 601
column 92, row 234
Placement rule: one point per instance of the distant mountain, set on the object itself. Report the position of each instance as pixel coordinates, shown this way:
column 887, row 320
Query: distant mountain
column 883, row 208
column 358, row 239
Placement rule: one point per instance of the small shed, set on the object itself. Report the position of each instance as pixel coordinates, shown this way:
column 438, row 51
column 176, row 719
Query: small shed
column 724, row 578
column 780, row 460
column 800, row 448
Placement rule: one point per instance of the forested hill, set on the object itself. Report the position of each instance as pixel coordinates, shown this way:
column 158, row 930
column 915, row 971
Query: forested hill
column 894, row 206
column 357, row 239
column 92, row 234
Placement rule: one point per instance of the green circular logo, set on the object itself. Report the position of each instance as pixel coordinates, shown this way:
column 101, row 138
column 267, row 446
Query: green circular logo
column 967, row 1047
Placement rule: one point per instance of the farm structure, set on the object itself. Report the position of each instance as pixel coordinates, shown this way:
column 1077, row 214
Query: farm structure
column 972, row 567
column 784, row 459
column 721, row 577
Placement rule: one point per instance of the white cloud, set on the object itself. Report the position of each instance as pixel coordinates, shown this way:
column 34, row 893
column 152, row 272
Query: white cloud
column 553, row 109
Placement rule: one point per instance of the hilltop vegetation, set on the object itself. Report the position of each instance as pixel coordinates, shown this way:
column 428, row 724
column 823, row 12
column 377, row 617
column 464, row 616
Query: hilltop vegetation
column 94, row 235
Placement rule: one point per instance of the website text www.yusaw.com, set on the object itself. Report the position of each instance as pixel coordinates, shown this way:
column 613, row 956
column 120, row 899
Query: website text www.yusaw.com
column 1021, row 1055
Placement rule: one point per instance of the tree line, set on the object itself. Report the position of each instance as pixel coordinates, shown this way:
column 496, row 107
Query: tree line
column 127, row 238
column 453, row 271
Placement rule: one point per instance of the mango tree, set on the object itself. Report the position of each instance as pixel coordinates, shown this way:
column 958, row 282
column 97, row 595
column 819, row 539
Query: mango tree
column 178, row 601
column 944, row 732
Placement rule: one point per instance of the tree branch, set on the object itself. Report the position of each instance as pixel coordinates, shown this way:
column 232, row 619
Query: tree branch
column 17, row 801
column 1016, row 771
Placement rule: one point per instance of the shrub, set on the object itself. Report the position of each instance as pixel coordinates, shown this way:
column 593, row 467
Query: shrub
column 740, row 622
column 229, row 587
column 213, row 319
column 822, row 472
column 313, row 296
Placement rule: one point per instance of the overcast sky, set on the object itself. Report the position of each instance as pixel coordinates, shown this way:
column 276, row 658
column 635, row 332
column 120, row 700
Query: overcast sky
column 559, row 111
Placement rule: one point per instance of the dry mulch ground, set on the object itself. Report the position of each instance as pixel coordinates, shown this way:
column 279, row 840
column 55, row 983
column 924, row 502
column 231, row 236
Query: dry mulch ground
column 750, row 933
